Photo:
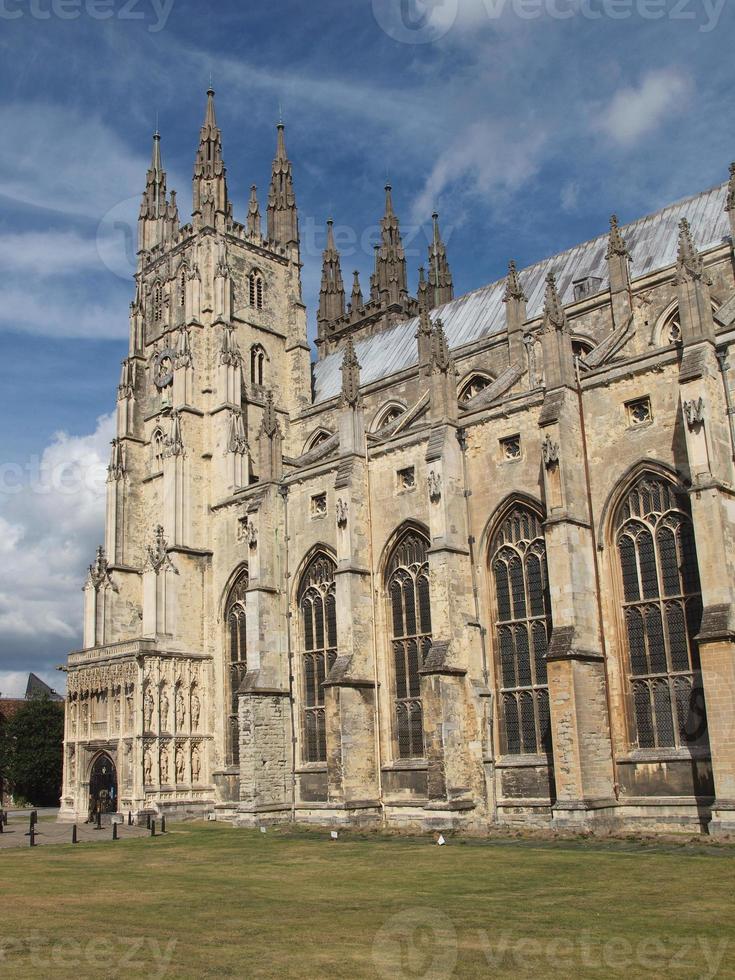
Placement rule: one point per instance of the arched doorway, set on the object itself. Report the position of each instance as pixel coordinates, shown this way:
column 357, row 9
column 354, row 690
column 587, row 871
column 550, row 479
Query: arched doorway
column 103, row 784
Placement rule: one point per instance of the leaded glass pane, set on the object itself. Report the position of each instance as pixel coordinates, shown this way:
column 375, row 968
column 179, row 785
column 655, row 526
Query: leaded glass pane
column 660, row 633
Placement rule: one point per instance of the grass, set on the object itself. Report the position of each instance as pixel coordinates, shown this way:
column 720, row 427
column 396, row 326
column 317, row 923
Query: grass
column 212, row 901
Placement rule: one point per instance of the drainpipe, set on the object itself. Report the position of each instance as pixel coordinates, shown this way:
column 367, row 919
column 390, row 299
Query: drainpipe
column 462, row 440
column 724, row 369
column 376, row 676
column 283, row 490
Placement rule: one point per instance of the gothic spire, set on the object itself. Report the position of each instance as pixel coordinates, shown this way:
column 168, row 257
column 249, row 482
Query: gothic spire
column 356, row 300
column 515, row 313
column 513, row 288
column 441, row 358
column 422, row 292
column 689, row 264
column 390, row 270
column 730, row 206
column 212, row 207
column 332, row 291
column 254, row 227
column 283, row 218
column 554, row 316
column 350, row 375
column 154, row 206
column 616, row 243
column 440, row 277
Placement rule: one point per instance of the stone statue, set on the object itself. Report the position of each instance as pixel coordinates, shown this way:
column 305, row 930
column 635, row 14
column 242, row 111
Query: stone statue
column 180, row 709
column 165, row 706
column 195, row 708
column 147, row 768
column 85, row 715
column 72, row 717
column 148, row 707
column 130, row 706
column 180, row 766
column 196, row 766
column 164, row 765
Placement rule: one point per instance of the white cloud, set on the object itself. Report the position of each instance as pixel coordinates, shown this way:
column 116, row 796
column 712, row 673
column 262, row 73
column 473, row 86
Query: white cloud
column 487, row 159
column 52, row 518
column 635, row 112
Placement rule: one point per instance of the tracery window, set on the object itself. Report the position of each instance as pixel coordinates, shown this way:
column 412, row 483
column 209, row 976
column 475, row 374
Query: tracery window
column 317, row 605
column 317, row 439
column 473, row 386
column 390, row 415
column 237, row 664
column 662, row 608
column 255, row 283
column 182, row 288
column 157, row 448
column 407, row 586
column 522, row 630
column 257, row 360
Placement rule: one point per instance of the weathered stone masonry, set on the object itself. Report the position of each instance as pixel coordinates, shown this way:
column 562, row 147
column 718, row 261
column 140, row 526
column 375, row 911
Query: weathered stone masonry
column 474, row 565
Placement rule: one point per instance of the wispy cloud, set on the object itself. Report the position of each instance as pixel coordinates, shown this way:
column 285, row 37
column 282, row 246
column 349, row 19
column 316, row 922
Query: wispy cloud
column 635, row 112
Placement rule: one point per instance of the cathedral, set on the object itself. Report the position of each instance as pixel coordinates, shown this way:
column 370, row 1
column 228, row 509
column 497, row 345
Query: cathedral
column 474, row 565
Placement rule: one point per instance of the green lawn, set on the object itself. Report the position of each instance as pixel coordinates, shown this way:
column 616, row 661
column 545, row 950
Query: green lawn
column 211, row 901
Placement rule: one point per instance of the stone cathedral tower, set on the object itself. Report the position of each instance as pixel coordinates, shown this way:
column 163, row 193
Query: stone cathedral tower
column 217, row 311
column 473, row 565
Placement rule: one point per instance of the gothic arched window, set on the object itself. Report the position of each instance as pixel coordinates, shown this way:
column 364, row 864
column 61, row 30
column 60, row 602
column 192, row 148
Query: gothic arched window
column 388, row 416
column 257, row 360
column 662, row 608
column 182, row 288
column 237, row 661
column 522, row 629
column 320, row 436
column 157, row 447
column 255, row 283
column 407, row 585
column 473, row 386
column 318, row 609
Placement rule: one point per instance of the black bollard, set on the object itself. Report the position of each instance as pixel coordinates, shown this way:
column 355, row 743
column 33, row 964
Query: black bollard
column 163, row 825
column 32, row 836
column 130, row 818
column 2, row 824
column 114, row 831
column 148, row 821
column 74, row 834
column 153, row 828
column 98, row 820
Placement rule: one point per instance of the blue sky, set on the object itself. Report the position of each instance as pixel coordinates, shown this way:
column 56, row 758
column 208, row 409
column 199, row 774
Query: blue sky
column 524, row 133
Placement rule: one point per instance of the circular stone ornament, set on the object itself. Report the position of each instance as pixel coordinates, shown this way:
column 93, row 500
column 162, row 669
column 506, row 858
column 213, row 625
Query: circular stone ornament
column 163, row 367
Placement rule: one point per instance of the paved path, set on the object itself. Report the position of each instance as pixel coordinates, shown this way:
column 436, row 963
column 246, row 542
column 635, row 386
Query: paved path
column 50, row 831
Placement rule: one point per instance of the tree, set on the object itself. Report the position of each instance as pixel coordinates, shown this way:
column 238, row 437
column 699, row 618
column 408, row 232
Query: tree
column 36, row 737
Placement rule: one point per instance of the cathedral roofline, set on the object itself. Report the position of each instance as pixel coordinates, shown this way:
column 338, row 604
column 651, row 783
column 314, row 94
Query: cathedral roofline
column 652, row 241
